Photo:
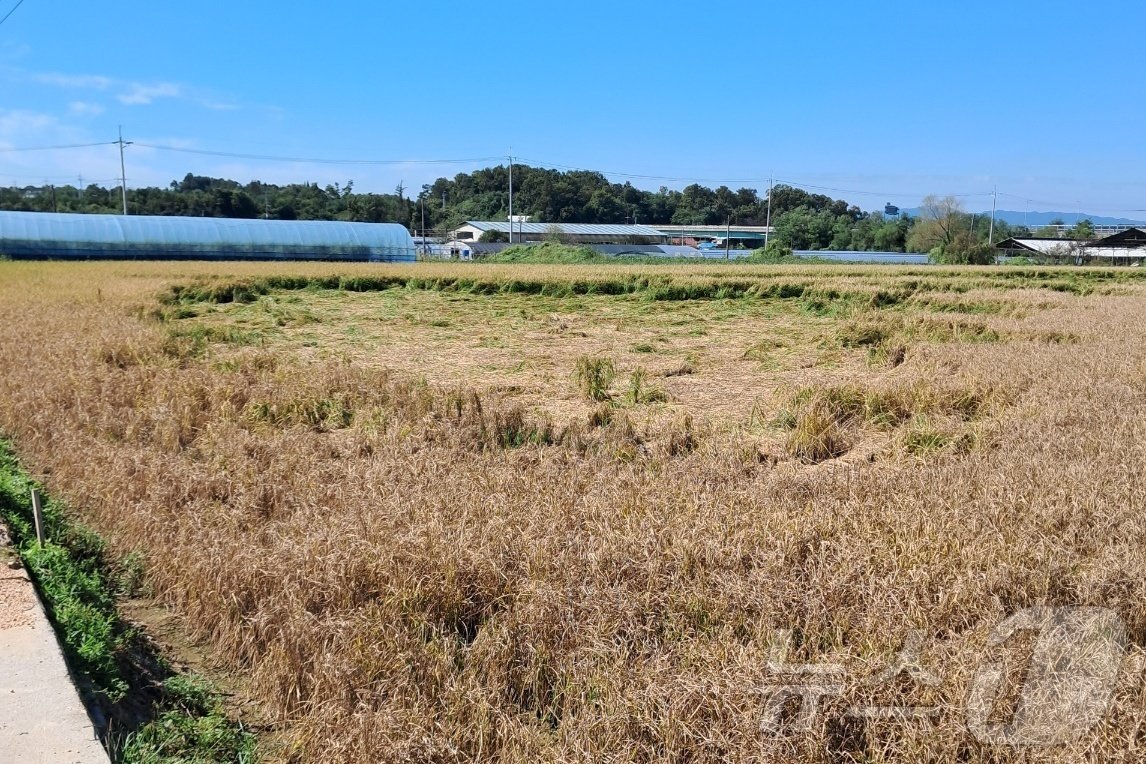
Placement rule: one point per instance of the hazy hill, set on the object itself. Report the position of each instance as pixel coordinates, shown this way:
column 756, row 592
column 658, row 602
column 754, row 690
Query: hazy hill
column 1019, row 217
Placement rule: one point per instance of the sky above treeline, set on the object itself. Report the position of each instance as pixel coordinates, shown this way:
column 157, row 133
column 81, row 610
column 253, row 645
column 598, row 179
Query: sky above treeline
column 874, row 103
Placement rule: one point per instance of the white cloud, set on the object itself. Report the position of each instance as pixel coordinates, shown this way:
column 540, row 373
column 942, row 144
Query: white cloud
column 18, row 124
column 14, row 51
column 85, row 109
column 139, row 94
column 129, row 92
column 22, row 128
column 82, row 81
column 207, row 103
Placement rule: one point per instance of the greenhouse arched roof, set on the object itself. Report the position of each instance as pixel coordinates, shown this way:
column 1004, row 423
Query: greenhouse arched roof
column 49, row 235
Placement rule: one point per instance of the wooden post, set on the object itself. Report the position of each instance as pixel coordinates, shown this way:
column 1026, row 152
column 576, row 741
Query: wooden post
column 38, row 515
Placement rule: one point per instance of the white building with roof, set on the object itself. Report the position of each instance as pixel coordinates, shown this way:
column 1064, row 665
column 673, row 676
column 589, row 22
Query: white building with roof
column 1128, row 247
column 579, row 233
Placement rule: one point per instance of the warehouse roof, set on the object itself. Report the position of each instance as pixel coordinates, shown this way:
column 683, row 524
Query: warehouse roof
column 62, row 235
column 1038, row 245
column 573, row 229
column 1131, row 237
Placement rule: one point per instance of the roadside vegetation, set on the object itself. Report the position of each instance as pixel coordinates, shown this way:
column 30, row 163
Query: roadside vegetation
column 519, row 513
column 145, row 712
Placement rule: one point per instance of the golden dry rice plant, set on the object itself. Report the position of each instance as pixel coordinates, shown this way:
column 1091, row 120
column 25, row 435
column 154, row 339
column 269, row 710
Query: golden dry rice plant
column 408, row 567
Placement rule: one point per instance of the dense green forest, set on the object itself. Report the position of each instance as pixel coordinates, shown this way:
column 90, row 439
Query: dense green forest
column 802, row 220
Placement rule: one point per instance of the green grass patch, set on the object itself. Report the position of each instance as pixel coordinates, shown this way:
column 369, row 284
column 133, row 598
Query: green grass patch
column 194, row 729
column 859, row 290
column 192, row 340
column 641, row 391
column 922, row 437
column 320, row 413
column 184, row 722
column 594, row 376
column 821, row 420
column 68, row 572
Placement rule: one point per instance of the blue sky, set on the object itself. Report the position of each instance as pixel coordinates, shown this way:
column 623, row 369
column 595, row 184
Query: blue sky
column 885, row 101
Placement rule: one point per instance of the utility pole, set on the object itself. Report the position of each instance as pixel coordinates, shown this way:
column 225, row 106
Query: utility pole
column 727, row 237
column 423, row 200
column 994, row 202
column 768, row 220
column 511, row 198
column 122, row 168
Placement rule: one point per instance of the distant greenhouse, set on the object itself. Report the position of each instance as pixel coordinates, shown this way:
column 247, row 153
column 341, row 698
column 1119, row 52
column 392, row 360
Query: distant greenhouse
column 58, row 236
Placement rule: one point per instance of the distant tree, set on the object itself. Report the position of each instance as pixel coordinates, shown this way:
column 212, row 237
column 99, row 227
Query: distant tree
column 234, row 204
column 492, row 236
column 808, row 228
column 554, row 234
column 1083, row 229
column 1004, row 230
column 697, row 206
column 963, row 249
column 368, row 208
column 880, row 233
column 940, row 220
column 604, row 207
column 1052, row 230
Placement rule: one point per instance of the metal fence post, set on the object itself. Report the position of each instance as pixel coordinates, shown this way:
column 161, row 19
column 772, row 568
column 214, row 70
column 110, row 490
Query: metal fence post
column 38, row 515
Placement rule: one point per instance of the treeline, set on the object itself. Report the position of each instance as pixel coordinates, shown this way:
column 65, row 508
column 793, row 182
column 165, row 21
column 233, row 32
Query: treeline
column 802, row 220
column 198, row 196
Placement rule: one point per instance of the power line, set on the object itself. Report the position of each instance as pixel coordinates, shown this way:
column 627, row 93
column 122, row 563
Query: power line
column 1075, row 203
column 17, row 149
column 681, row 179
column 36, row 179
column 9, row 13
column 798, row 184
column 637, row 176
column 312, row 160
column 793, row 183
column 535, row 162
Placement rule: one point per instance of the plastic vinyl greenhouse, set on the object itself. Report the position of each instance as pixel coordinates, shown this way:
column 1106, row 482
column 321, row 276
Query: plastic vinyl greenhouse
column 59, row 236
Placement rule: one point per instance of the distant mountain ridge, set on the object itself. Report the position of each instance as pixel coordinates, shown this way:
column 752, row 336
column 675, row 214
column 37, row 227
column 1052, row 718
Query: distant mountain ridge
column 1018, row 217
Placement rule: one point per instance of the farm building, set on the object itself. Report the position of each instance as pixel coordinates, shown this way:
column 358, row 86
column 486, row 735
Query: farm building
column 58, row 236
column 468, row 250
column 1038, row 246
column 574, row 233
column 1131, row 238
column 1126, row 247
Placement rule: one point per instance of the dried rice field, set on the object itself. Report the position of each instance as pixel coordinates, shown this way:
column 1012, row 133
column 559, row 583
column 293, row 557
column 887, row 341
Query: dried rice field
column 471, row 513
